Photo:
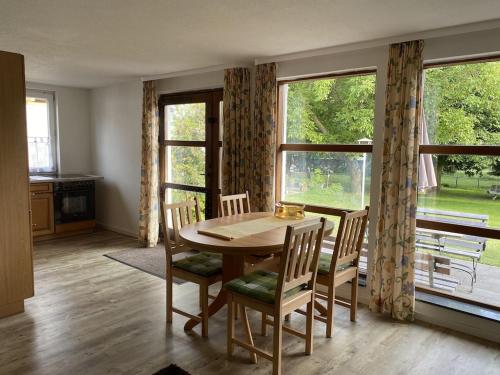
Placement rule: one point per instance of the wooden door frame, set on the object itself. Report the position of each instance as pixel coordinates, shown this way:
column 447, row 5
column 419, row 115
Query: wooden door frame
column 212, row 144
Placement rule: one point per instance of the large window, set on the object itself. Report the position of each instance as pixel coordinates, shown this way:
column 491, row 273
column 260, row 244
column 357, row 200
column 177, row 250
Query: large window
column 324, row 141
column 42, row 139
column 459, row 182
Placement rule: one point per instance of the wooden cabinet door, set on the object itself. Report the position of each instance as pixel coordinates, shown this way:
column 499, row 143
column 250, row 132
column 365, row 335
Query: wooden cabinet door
column 42, row 213
column 16, row 264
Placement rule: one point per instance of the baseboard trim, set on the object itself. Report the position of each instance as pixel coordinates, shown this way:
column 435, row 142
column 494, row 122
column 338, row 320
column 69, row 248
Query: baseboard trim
column 457, row 321
column 439, row 316
column 12, row 308
column 117, row 230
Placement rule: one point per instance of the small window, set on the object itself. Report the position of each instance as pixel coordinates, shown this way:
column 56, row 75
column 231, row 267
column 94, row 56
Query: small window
column 42, row 138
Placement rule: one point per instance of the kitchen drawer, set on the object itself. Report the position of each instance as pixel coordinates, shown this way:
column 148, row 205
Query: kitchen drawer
column 41, row 187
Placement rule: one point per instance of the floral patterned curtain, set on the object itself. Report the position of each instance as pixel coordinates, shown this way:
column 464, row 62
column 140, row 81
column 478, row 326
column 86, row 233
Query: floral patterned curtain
column 237, row 168
column 264, row 137
column 393, row 269
column 149, row 200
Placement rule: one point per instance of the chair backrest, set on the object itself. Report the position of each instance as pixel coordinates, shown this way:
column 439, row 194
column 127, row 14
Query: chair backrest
column 177, row 214
column 350, row 237
column 234, row 204
column 300, row 257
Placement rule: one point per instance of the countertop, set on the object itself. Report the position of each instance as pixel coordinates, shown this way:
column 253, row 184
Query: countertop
column 63, row 178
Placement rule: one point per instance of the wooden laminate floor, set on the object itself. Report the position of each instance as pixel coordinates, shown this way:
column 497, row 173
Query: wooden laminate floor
column 92, row 315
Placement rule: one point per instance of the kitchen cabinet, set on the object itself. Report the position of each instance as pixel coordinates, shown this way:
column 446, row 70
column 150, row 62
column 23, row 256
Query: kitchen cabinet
column 62, row 205
column 42, row 209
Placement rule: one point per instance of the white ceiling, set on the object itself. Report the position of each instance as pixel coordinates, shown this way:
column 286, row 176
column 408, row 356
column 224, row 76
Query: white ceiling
column 91, row 43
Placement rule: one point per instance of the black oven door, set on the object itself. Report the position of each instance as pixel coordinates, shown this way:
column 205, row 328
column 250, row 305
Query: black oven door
column 73, row 205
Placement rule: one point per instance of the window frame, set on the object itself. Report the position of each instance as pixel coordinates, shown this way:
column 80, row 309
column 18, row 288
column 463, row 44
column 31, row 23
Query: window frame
column 282, row 146
column 483, row 150
column 53, row 132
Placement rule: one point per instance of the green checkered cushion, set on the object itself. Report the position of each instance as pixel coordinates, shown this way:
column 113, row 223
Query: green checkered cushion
column 325, row 260
column 260, row 285
column 204, row 264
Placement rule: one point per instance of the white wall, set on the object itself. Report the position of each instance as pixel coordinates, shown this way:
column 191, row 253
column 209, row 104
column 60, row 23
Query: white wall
column 116, row 113
column 116, row 145
column 73, row 124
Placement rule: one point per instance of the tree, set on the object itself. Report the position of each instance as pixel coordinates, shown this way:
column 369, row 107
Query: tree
column 330, row 111
column 186, row 164
column 462, row 106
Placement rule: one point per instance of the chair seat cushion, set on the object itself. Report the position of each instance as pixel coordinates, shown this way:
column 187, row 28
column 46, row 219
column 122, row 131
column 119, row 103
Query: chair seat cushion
column 203, row 264
column 325, row 260
column 261, row 285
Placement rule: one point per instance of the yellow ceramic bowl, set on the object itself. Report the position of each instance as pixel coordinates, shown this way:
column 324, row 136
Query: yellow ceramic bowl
column 289, row 211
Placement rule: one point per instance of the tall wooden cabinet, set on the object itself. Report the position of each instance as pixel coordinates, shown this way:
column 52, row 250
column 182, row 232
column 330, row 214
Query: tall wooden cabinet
column 16, row 263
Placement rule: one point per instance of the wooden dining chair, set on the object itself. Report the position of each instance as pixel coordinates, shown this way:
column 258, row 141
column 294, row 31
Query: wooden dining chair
column 341, row 266
column 203, row 269
column 238, row 204
column 277, row 294
column 234, row 204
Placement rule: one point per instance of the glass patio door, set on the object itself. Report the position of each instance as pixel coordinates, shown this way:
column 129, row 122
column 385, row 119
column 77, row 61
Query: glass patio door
column 190, row 146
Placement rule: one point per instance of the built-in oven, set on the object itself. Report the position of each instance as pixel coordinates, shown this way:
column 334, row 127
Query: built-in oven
column 74, row 201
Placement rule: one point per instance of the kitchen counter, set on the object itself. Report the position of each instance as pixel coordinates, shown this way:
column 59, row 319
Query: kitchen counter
column 62, row 204
column 63, row 178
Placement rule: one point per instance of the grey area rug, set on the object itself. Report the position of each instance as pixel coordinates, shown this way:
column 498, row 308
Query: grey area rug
column 149, row 260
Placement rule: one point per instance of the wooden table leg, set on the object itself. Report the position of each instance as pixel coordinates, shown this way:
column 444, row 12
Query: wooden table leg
column 232, row 267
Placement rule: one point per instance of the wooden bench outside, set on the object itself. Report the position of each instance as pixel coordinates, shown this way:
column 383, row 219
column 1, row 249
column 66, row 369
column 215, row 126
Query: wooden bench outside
column 494, row 191
column 463, row 245
column 433, row 270
column 430, row 271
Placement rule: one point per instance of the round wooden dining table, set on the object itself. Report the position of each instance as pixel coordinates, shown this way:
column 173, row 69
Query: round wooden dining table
column 234, row 251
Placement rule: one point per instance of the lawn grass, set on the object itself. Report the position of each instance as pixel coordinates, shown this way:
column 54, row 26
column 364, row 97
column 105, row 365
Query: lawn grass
column 467, row 198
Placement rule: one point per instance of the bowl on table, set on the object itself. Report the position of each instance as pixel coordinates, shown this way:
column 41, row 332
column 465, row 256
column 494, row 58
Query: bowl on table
column 289, row 211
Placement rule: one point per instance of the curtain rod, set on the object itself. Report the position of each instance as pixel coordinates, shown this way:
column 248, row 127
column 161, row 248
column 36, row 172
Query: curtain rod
column 208, row 69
